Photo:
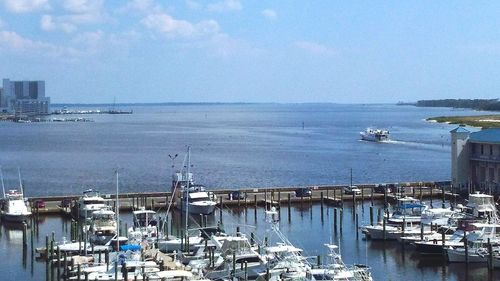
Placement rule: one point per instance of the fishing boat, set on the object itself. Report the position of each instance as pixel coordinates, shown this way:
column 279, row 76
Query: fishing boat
column 376, row 135
column 145, row 226
column 407, row 209
column 14, row 208
column 477, row 242
column 192, row 198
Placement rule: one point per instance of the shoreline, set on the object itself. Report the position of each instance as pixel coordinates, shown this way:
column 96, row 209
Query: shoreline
column 478, row 121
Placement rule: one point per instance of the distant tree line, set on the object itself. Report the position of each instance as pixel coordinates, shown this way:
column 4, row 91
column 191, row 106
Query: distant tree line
column 478, row 104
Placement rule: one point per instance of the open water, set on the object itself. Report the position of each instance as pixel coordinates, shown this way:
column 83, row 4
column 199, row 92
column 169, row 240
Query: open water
column 237, row 146
column 233, row 146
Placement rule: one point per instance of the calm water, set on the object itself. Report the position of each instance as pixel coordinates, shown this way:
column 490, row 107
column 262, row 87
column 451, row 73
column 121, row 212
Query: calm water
column 232, row 146
column 237, row 146
column 306, row 229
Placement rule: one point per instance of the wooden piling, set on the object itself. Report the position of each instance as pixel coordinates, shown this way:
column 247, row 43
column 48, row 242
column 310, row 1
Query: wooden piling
column 357, row 227
column 490, row 255
column 466, row 246
column 335, row 220
column 341, row 219
column 371, row 215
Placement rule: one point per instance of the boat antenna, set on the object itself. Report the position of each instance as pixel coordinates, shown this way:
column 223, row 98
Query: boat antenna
column 117, row 214
column 20, row 182
column 1, row 178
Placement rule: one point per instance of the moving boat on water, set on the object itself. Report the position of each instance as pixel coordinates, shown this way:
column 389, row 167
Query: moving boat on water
column 376, row 135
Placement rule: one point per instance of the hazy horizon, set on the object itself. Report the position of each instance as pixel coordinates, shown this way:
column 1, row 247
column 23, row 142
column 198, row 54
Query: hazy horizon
column 235, row 51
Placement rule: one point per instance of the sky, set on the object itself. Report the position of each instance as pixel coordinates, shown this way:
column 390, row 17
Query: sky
column 95, row 51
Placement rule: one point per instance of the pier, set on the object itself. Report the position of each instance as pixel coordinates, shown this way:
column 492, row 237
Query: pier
column 267, row 196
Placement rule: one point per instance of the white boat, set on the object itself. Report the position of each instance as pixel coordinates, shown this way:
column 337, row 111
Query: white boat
column 481, row 206
column 433, row 244
column 393, row 232
column 439, row 216
column 335, row 269
column 15, row 208
column 190, row 197
column 477, row 241
column 90, row 201
column 103, row 226
column 376, row 135
column 407, row 209
column 145, row 226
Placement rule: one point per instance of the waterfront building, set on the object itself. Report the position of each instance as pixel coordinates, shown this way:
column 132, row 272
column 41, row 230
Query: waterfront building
column 475, row 160
column 24, row 98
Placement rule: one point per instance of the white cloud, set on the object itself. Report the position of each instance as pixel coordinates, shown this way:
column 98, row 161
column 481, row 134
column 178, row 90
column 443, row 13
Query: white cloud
column 83, row 11
column 269, row 14
column 48, row 23
column 173, row 28
column 12, row 42
column 315, row 48
column 26, row 6
column 224, row 6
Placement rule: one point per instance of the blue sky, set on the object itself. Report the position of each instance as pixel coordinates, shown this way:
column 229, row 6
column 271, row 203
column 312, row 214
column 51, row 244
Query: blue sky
column 253, row 51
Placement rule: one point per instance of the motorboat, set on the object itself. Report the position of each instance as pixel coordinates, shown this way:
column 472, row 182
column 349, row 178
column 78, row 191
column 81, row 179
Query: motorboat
column 376, row 135
column 103, row 226
column 477, row 242
column 394, row 231
column 145, row 226
column 433, row 244
column 189, row 197
column 335, row 269
column 90, row 201
column 407, row 209
column 14, row 207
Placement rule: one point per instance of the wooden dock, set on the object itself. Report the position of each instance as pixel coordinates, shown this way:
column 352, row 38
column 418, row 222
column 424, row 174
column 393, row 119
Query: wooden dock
column 254, row 197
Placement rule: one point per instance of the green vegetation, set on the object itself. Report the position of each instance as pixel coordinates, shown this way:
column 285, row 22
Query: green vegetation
column 477, row 104
column 481, row 121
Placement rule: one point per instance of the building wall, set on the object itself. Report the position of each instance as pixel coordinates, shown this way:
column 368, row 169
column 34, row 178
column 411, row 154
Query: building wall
column 460, row 153
column 485, row 166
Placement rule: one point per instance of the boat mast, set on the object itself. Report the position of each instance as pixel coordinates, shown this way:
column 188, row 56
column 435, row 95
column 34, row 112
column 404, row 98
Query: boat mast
column 1, row 178
column 187, row 187
column 20, row 182
column 117, row 215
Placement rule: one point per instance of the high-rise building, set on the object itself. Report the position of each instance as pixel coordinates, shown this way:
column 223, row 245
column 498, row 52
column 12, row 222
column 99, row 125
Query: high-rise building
column 24, row 98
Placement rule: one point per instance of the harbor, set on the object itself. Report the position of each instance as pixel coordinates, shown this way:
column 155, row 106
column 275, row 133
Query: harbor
column 339, row 215
column 268, row 186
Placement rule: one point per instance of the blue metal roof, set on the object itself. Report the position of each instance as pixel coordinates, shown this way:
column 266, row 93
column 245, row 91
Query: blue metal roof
column 460, row 129
column 487, row 135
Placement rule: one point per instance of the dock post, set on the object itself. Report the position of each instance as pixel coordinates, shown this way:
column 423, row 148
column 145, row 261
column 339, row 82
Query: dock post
column 106, row 258
column 47, row 253
column 25, row 241
column 116, row 270
column 52, row 242
column 443, row 243
column 79, row 272
column 371, row 195
column 383, row 228
column 279, row 199
column 246, row 270
column 289, row 208
column 65, row 266
column 246, row 204
column 362, row 195
column 371, row 215
column 239, row 204
column 255, row 205
column 341, row 219
column 252, row 238
column 422, row 232
column 58, row 253
column 431, row 196
column 220, row 209
column 321, row 205
column 357, row 226
column 265, row 198
column 442, row 192
column 335, row 219
column 466, row 249
column 490, row 255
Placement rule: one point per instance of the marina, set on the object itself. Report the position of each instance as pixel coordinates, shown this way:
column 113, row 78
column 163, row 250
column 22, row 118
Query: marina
column 285, row 227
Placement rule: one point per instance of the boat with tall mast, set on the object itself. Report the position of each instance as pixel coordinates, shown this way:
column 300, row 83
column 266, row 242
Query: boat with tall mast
column 14, row 208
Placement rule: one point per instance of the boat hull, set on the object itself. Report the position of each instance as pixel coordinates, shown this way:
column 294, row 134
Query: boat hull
column 458, row 255
column 16, row 218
